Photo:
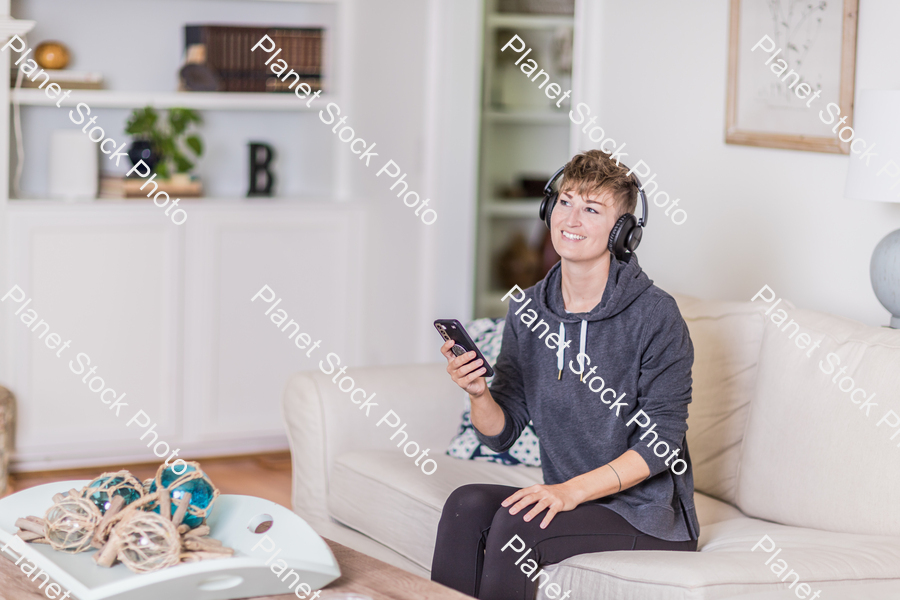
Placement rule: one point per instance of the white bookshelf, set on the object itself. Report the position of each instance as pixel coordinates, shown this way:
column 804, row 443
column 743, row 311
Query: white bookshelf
column 518, row 21
column 519, row 136
column 139, row 201
column 494, row 303
column 309, row 160
column 524, row 208
column 541, row 117
column 196, row 100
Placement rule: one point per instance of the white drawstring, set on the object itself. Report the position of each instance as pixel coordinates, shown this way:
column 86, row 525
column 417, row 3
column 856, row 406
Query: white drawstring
column 560, row 352
column 581, row 353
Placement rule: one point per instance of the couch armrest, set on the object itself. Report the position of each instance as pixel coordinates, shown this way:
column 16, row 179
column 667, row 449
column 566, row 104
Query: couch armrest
column 323, row 423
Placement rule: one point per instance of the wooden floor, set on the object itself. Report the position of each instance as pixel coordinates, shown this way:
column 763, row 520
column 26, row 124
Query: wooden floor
column 264, row 476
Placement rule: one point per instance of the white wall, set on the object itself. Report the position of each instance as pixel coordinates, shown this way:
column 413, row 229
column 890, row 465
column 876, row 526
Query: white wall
column 385, row 101
column 415, row 76
column 451, row 168
column 756, row 216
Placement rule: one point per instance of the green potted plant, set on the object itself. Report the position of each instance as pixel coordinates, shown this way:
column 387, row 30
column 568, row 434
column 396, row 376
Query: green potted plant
column 165, row 146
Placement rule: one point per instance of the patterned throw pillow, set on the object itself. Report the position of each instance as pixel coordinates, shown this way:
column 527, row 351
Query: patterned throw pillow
column 487, row 334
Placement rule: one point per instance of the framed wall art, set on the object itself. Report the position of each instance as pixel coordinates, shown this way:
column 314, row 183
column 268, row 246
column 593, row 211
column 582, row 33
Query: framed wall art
column 791, row 68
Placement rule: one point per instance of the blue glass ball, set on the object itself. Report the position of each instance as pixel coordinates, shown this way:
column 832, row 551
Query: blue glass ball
column 101, row 496
column 201, row 493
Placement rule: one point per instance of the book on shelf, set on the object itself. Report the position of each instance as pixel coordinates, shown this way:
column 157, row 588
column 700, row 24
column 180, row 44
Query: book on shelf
column 112, row 187
column 70, row 80
column 228, row 53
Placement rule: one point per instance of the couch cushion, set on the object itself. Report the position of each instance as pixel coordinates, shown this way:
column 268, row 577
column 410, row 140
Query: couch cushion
column 726, row 338
column 726, row 566
column 885, row 590
column 383, row 495
column 811, row 456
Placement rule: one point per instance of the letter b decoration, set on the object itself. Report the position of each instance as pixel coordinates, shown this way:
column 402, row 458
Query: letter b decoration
column 261, row 178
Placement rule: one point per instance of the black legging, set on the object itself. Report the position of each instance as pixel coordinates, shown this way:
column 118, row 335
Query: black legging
column 474, row 528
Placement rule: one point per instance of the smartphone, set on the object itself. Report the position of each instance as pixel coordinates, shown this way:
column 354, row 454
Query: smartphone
column 451, row 329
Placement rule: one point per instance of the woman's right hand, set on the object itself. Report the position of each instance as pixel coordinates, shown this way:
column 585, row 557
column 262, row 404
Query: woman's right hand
column 465, row 372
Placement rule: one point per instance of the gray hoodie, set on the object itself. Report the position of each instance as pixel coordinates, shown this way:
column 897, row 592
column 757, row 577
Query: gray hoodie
column 631, row 352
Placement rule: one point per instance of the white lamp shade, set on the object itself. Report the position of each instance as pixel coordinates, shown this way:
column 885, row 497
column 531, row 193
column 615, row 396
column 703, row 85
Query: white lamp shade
column 876, row 121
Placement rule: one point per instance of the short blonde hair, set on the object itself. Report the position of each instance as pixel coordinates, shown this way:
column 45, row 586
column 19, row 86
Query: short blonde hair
column 593, row 172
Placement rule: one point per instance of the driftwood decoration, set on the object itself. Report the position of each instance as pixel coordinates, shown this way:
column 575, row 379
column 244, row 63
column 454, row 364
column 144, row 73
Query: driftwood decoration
column 32, row 529
column 133, row 532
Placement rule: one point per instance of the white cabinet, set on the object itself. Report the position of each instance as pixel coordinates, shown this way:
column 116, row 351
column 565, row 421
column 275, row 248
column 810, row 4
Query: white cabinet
column 164, row 314
column 108, row 282
column 240, row 358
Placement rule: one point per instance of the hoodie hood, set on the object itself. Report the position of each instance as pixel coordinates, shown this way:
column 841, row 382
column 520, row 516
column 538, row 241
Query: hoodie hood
column 626, row 282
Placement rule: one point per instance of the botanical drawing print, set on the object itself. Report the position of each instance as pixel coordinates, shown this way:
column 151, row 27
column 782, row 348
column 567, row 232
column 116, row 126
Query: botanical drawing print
column 795, row 27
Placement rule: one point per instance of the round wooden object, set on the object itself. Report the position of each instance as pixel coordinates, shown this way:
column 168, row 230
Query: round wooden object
column 52, row 55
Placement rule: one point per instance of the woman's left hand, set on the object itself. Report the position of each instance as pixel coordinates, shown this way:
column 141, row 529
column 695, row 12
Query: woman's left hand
column 555, row 498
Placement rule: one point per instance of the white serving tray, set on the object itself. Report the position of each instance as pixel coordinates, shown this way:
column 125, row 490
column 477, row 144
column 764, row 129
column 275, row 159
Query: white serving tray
column 243, row 575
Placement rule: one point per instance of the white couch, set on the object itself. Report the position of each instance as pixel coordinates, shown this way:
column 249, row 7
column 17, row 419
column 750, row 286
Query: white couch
column 778, row 449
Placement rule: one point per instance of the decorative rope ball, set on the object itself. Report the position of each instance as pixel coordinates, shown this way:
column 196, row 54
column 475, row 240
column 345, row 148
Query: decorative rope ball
column 102, row 489
column 71, row 523
column 178, row 483
column 148, row 542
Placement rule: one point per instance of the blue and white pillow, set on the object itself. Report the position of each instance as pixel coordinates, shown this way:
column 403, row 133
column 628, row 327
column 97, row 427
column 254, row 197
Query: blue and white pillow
column 488, row 334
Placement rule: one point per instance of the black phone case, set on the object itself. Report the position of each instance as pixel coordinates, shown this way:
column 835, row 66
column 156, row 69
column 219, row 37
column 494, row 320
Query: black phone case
column 451, row 329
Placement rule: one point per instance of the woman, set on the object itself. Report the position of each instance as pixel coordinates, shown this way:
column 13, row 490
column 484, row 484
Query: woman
column 602, row 413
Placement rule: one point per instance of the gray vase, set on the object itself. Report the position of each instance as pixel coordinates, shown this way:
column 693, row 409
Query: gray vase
column 885, row 273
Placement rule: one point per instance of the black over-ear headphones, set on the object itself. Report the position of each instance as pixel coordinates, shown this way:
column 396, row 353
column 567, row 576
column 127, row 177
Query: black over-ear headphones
column 626, row 234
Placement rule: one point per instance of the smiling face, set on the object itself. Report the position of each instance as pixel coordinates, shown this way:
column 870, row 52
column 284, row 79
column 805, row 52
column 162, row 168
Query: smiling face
column 580, row 226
